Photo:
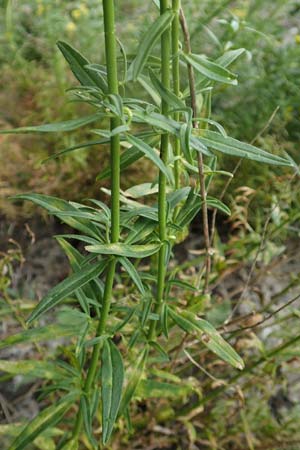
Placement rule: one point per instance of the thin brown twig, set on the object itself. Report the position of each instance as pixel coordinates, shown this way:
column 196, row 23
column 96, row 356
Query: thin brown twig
column 237, row 166
column 268, row 317
column 259, row 250
column 192, row 86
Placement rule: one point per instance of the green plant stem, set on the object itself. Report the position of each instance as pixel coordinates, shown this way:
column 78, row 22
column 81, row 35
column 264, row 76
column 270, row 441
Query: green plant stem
column 176, row 84
column 112, row 77
column 162, row 202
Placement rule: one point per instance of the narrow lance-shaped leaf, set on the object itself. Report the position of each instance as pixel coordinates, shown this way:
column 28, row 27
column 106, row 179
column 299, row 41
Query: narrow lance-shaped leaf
column 76, row 147
column 210, row 69
column 149, row 40
column 80, row 67
column 49, row 417
column 233, row 147
column 47, row 333
column 134, row 381
column 133, row 273
column 209, row 336
column 112, row 377
column 56, row 206
column 71, row 445
column 68, row 125
column 67, row 287
column 229, row 57
column 37, row 369
column 131, row 251
column 172, row 99
column 128, row 157
column 150, row 153
column 216, row 203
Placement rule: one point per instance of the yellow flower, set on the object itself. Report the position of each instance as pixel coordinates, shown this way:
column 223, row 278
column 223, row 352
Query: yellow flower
column 78, row 12
column 70, row 27
column 239, row 12
column 83, row 8
column 297, row 38
column 40, row 9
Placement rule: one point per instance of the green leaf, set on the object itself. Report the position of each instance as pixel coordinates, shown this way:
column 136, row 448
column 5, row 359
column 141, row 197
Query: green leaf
column 189, row 209
column 185, row 139
column 210, row 337
column 47, row 333
column 37, row 369
column 67, row 150
column 182, row 322
column 160, row 350
column 67, row 287
column 133, row 381
column 148, row 41
column 216, row 203
column 141, row 190
column 46, row 419
column 56, row 206
column 71, row 445
column 151, row 154
column 55, row 127
column 131, row 251
column 160, row 389
column 133, row 273
column 81, row 68
column 169, row 97
column 142, row 229
column 210, row 69
column 87, row 419
column 147, row 85
column 229, row 57
column 161, row 122
column 128, row 157
column 112, row 377
column 233, row 147
column 157, row 121
column 90, row 291
column 164, row 320
column 182, row 284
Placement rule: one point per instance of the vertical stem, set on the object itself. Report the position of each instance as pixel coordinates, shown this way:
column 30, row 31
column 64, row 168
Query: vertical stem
column 112, row 78
column 162, row 203
column 199, row 155
column 176, row 83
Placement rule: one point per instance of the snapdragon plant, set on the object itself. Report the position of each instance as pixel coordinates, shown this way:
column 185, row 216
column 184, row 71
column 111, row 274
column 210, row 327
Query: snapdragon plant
column 132, row 239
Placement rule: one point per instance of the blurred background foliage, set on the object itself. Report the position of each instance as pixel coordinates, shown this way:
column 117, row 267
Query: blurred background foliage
column 265, row 104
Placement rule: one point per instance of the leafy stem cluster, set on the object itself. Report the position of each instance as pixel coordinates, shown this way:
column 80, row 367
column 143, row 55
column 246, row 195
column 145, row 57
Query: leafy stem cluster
column 142, row 223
